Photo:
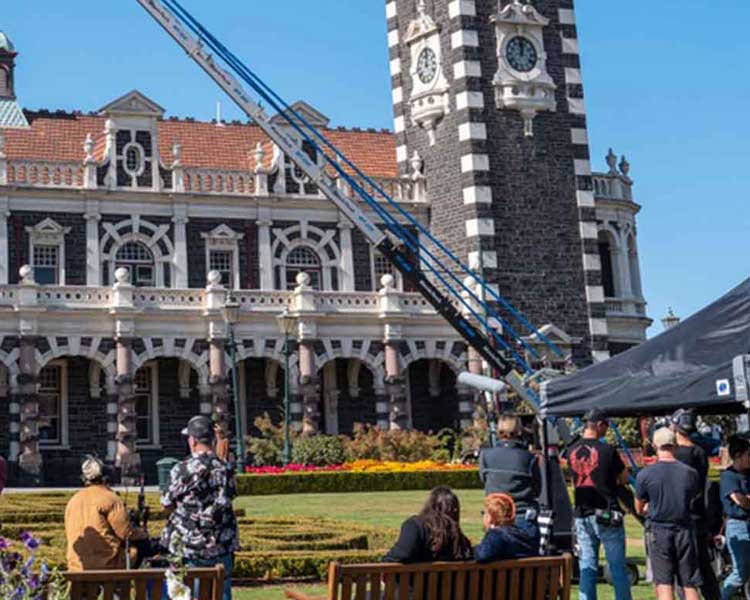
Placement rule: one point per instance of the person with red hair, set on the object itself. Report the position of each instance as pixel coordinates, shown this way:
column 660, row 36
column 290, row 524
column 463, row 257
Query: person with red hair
column 503, row 539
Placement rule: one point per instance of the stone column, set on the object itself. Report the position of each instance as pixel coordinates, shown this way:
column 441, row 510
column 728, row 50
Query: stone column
column 93, row 256
column 398, row 414
column 112, row 419
column 466, row 406
column 475, row 366
column 382, row 406
column 4, row 262
column 180, row 259
column 127, row 459
column 346, row 268
column 264, row 254
column 206, row 399
column 218, row 382
column 29, row 458
column 309, row 388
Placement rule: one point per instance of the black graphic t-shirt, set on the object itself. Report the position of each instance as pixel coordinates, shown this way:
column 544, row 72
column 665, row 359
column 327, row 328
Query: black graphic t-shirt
column 595, row 467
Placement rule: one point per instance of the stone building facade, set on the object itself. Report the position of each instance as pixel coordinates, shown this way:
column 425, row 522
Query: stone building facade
column 125, row 233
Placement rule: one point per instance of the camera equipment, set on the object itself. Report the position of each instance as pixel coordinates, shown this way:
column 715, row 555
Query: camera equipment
column 609, row 518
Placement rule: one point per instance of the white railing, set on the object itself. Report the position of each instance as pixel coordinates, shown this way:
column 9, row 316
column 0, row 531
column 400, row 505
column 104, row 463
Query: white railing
column 612, row 187
column 74, row 296
column 7, row 295
column 625, row 307
column 262, row 300
column 401, row 189
column 168, row 299
column 45, row 174
column 415, row 303
column 215, row 181
column 347, row 301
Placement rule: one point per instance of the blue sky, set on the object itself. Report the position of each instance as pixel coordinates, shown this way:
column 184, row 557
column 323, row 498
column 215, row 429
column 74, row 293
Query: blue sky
column 666, row 83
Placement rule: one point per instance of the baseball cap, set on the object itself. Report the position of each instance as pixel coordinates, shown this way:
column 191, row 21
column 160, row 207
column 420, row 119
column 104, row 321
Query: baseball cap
column 595, row 415
column 199, row 427
column 663, row 437
column 684, row 421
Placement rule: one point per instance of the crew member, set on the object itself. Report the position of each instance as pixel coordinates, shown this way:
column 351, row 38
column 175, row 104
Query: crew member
column 735, row 498
column 597, row 471
column 202, row 527
column 689, row 453
column 666, row 492
column 509, row 468
column 97, row 523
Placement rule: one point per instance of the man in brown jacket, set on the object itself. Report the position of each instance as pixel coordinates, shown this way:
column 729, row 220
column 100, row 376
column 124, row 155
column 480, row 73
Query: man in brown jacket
column 96, row 523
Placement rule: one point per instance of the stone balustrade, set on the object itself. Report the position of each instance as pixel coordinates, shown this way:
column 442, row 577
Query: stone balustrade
column 44, row 174
column 625, row 307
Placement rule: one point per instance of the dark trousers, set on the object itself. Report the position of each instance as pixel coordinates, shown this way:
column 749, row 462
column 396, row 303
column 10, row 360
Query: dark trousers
column 710, row 589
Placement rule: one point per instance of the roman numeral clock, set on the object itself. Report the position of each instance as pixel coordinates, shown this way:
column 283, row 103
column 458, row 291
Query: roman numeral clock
column 429, row 100
column 522, row 82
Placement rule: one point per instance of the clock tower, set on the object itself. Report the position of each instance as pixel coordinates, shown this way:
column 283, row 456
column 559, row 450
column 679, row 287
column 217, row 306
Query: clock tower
column 489, row 94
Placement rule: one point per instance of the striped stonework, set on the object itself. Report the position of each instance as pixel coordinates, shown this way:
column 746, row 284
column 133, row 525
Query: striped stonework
column 472, row 133
column 584, row 186
column 397, row 87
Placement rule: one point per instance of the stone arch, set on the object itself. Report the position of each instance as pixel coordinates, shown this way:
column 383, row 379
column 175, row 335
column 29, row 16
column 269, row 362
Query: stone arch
column 271, row 348
column 154, row 237
column 170, row 349
column 610, row 255
column 9, row 360
column 348, row 394
column 365, row 350
column 323, row 243
column 59, row 347
column 452, row 352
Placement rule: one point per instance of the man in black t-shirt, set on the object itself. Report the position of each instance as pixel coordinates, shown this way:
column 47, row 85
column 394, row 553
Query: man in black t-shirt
column 597, row 470
column 666, row 492
column 685, row 451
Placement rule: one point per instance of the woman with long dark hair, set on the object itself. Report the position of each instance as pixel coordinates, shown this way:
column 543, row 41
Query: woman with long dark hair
column 434, row 534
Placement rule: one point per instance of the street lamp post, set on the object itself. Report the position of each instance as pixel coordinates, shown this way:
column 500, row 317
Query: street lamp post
column 286, row 325
column 231, row 316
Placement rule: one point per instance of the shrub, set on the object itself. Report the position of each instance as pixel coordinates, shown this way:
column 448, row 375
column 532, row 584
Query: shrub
column 319, row 451
column 369, row 442
column 267, row 450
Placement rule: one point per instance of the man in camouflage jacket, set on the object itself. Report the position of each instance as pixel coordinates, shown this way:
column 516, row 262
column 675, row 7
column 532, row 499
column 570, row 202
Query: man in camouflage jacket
column 202, row 528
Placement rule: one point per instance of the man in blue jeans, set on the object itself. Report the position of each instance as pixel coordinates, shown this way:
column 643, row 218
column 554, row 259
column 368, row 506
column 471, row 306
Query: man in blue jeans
column 202, row 528
column 735, row 498
column 597, row 471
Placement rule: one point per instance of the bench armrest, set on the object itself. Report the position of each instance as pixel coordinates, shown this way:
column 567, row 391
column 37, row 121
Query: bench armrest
column 297, row 595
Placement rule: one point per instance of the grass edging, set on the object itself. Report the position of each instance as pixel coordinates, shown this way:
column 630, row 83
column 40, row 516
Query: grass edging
column 351, row 481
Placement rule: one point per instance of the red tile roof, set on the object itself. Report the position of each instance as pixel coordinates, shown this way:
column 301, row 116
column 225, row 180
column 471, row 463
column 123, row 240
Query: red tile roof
column 60, row 137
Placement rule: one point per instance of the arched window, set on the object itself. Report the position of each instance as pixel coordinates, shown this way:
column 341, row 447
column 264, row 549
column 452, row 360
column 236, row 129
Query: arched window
column 139, row 260
column 608, row 265
column 299, row 259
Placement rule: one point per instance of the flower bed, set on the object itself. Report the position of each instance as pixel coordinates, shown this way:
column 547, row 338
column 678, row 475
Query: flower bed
column 362, row 466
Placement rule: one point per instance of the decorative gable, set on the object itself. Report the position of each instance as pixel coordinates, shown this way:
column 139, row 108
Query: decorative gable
column 47, row 231
column 223, row 235
column 133, row 104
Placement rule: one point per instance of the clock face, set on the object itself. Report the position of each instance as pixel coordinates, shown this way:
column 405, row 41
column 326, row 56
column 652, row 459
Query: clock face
column 427, row 65
column 521, row 54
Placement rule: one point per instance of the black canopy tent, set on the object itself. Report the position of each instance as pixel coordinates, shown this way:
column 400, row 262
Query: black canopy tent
column 701, row 363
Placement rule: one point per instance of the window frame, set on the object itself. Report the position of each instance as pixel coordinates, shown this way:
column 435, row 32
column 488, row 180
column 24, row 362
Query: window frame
column 53, row 268
column 229, row 271
column 134, row 173
column 49, row 233
column 133, row 265
column 376, row 285
column 224, row 238
column 155, row 441
column 63, row 440
column 320, row 270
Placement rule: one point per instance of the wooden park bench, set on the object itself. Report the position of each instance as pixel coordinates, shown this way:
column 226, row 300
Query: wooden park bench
column 543, row 578
column 145, row 584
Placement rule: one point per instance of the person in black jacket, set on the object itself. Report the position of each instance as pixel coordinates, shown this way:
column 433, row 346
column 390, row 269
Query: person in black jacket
column 434, row 534
column 509, row 468
column 502, row 539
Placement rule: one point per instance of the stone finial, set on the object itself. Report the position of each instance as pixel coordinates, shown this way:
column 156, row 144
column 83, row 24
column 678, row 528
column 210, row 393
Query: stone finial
column 612, row 161
column 421, row 7
column 26, row 272
column 416, row 163
column 122, row 276
column 302, row 279
column 388, row 281
column 213, row 278
column 624, row 166
column 259, row 155
column 176, row 154
column 88, row 148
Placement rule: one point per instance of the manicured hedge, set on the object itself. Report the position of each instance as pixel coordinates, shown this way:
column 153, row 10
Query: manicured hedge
column 270, row 566
column 349, row 481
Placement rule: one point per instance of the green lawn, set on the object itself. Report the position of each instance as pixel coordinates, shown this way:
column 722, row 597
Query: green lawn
column 389, row 509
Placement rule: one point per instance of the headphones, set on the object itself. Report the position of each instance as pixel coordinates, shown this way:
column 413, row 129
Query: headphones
column 684, row 420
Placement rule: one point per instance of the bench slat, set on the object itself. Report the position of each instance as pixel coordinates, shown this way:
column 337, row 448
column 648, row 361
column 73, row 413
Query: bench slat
column 474, row 585
column 346, row 588
column 460, row 586
column 374, row 586
column 361, row 588
column 554, row 582
column 515, row 584
column 432, row 586
column 528, row 582
column 419, row 585
column 501, row 581
column 403, row 587
column 333, row 581
column 541, row 584
column 389, row 593
column 487, row 583
column 446, row 588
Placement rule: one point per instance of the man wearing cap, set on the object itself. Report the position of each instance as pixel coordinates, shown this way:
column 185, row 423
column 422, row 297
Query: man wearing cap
column 509, row 468
column 689, row 453
column 202, row 528
column 597, row 471
column 97, row 523
column 666, row 493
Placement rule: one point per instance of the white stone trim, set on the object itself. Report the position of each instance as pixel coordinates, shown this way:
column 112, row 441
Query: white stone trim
column 469, row 100
column 395, row 66
column 154, row 376
column 398, row 95
column 464, row 37
column 4, row 258
column 594, row 294
column 399, row 124
column 579, row 136
column 592, row 262
column 573, row 76
column 390, row 10
column 577, row 106
column 325, row 241
column 600, row 355
column 585, row 199
column 457, row 8
column 489, row 260
column 393, row 38
column 598, row 326
column 402, row 154
column 265, row 259
column 467, row 68
column 472, row 131
column 589, row 230
column 478, row 194
column 64, row 441
column 570, row 46
column 475, row 162
column 49, row 233
column 582, row 167
column 566, row 16
column 478, row 227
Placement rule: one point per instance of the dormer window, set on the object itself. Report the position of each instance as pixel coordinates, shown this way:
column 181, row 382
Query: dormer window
column 47, row 251
column 135, row 159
